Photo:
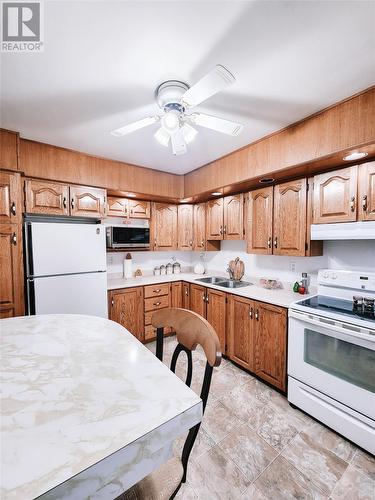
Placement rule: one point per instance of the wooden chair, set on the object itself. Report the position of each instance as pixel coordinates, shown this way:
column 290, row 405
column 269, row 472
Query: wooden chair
column 191, row 330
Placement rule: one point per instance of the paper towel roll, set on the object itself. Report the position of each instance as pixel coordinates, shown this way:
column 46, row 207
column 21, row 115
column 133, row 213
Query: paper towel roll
column 128, row 268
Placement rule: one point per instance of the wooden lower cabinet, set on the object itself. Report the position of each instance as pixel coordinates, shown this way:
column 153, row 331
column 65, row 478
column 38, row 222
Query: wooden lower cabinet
column 270, row 334
column 176, row 294
column 185, row 295
column 11, row 271
column 257, row 338
column 211, row 304
column 216, row 314
column 241, row 331
column 126, row 307
column 198, row 299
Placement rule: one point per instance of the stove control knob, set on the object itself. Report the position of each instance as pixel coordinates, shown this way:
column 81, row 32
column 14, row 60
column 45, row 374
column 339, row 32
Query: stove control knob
column 334, row 276
column 325, row 275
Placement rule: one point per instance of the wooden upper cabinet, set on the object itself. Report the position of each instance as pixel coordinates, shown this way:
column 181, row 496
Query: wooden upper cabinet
column 126, row 307
column 139, row 209
column 270, row 335
column 215, row 219
column 164, row 225
column 176, row 294
column 335, row 196
column 198, row 299
column 87, row 201
column 289, row 219
column 366, row 191
column 216, row 314
column 185, row 227
column 233, row 217
column 116, row 207
column 241, row 331
column 49, row 198
column 199, row 238
column 11, row 271
column 126, row 207
column 10, row 198
column 260, row 221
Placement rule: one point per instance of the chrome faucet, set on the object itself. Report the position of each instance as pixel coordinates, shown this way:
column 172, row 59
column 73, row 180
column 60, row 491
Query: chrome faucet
column 230, row 271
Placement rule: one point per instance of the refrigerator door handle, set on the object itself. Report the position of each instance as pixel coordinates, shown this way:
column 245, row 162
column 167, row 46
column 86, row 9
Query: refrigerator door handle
column 30, row 288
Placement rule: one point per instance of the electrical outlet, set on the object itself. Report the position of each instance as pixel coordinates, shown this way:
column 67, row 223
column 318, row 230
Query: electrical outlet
column 292, row 265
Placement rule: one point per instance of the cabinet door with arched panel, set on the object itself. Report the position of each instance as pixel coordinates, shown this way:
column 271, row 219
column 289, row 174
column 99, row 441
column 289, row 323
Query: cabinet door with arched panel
column 87, row 201
column 335, row 196
column 49, row 198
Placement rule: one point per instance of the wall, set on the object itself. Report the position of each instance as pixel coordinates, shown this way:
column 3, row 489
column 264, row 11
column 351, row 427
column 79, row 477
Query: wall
column 352, row 255
column 147, row 260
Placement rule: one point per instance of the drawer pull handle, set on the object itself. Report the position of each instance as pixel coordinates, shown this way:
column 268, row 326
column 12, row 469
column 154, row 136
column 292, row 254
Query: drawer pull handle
column 269, row 242
column 112, row 302
column 157, row 303
column 72, row 203
column 352, row 203
column 257, row 315
column 275, row 243
column 158, row 290
column 13, row 209
column 251, row 313
column 64, row 202
column 221, row 230
column 14, row 239
column 364, row 203
column 202, row 243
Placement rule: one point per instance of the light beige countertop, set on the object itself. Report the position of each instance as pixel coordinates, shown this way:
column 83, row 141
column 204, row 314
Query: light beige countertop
column 283, row 297
column 86, row 410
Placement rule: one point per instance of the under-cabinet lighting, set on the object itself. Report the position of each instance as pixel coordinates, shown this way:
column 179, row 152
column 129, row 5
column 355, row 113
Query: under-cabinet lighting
column 356, row 155
column 216, row 193
column 131, row 195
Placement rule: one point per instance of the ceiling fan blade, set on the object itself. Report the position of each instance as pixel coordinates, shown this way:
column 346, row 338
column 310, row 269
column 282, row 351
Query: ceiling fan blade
column 178, row 143
column 132, row 127
column 215, row 81
column 218, row 124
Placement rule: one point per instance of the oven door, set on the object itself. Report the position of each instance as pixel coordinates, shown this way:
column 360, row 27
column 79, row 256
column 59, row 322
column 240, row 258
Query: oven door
column 328, row 356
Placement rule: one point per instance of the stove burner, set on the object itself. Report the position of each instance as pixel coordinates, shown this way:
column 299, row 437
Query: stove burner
column 360, row 307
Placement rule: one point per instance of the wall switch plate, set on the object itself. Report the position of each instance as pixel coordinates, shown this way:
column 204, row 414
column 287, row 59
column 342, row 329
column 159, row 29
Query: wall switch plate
column 292, row 265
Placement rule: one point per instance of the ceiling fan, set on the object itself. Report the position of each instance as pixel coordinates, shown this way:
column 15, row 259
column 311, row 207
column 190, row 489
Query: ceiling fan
column 176, row 99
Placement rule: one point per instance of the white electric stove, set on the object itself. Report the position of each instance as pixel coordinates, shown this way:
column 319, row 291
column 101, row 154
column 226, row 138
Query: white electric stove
column 331, row 354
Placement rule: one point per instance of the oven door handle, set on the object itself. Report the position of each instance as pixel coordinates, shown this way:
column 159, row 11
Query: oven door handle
column 335, row 326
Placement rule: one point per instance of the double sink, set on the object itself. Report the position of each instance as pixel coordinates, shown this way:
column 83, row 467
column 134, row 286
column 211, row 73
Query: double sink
column 224, row 282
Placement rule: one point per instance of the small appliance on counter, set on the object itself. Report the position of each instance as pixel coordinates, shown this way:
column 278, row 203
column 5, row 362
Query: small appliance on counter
column 128, row 264
column 331, row 354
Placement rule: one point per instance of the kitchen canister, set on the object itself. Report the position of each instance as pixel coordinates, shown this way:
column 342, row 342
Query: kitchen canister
column 176, row 268
column 162, row 269
column 169, row 268
column 128, row 263
column 156, row 271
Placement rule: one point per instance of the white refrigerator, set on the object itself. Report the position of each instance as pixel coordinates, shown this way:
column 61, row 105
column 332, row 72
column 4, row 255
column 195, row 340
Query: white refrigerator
column 66, row 268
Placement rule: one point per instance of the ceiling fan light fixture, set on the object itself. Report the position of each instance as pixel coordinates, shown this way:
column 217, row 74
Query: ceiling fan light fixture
column 171, row 121
column 162, row 136
column 189, row 133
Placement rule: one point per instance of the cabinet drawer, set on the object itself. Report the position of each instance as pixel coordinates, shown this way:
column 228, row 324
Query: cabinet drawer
column 150, row 332
column 156, row 290
column 155, row 303
column 148, row 316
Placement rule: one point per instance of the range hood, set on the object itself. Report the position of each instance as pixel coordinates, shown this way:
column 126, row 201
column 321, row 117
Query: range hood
column 344, row 231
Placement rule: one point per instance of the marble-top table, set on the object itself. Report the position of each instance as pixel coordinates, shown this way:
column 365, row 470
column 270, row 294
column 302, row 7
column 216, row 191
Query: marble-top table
column 86, row 409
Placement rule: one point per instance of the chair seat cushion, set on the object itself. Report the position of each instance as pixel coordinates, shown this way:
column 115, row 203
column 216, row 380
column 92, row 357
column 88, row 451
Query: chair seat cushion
column 159, row 485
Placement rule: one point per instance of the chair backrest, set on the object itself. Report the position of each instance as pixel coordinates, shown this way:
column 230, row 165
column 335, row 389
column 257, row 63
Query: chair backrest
column 191, row 330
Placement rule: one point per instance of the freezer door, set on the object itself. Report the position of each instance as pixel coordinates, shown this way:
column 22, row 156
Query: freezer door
column 72, row 294
column 59, row 248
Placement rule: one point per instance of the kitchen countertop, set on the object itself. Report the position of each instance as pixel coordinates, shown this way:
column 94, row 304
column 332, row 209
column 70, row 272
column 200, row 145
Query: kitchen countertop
column 283, row 297
column 87, row 410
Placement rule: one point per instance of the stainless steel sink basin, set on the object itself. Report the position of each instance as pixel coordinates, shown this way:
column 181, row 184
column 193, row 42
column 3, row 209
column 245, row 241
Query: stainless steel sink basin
column 214, row 280
column 225, row 282
column 233, row 284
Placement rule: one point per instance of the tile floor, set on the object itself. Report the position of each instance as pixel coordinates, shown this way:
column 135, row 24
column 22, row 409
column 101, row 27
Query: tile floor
column 253, row 445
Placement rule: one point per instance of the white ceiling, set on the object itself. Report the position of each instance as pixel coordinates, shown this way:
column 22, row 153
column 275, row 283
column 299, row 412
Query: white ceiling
column 103, row 60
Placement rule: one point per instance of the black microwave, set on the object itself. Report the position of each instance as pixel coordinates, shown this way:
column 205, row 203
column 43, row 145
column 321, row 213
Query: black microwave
column 128, row 236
